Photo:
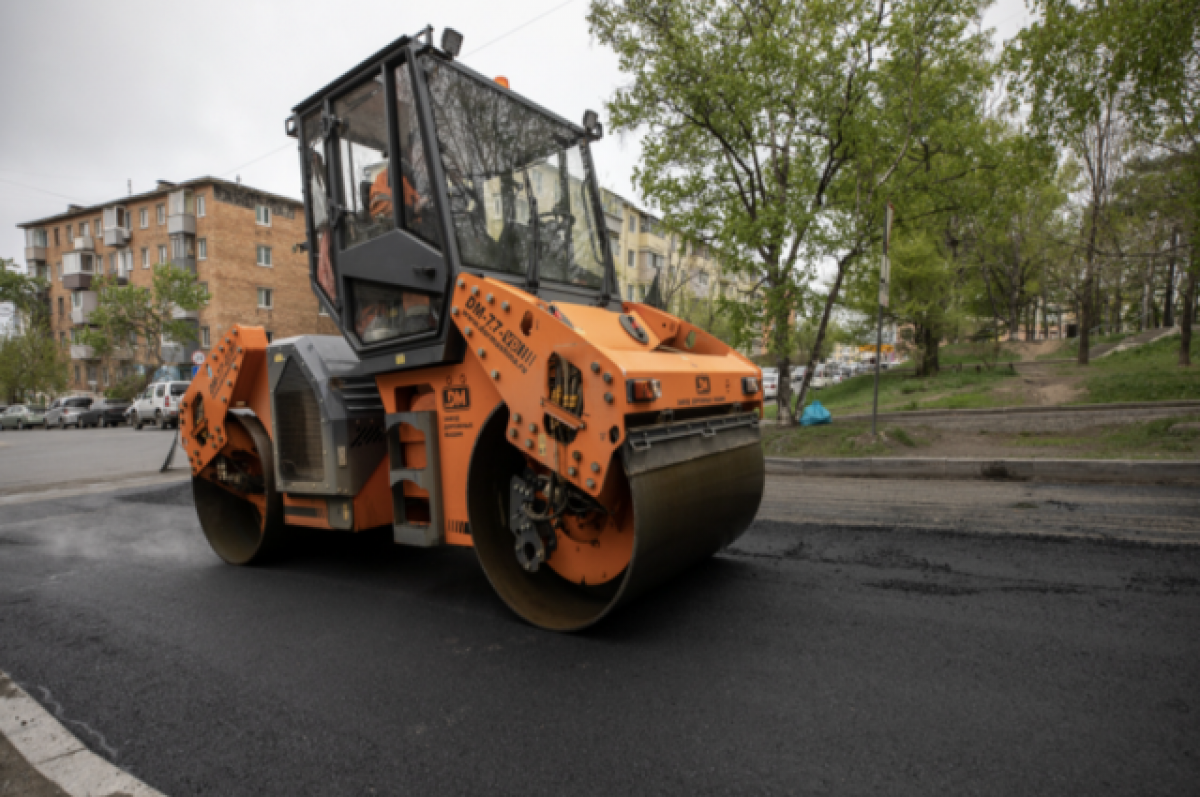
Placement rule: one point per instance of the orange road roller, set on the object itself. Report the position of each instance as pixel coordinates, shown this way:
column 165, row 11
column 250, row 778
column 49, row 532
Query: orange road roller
column 490, row 388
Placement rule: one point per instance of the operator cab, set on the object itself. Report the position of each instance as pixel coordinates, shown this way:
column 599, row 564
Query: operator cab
column 416, row 168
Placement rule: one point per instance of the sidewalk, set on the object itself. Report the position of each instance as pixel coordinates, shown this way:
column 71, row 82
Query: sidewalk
column 41, row 758
column 1078, row 471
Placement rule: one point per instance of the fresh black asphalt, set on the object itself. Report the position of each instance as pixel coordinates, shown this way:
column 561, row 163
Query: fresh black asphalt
column 806, row 660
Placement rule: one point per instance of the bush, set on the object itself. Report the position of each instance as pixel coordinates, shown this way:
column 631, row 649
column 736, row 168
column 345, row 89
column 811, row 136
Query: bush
column 128, row 388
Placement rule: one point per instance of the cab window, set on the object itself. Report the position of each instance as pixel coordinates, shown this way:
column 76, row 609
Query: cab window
column 518, row 188
column 159, row 392
column 366, row 188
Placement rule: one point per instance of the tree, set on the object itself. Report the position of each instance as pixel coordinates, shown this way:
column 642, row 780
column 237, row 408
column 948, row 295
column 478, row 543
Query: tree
column 127, row 313
column 1065, row 67
column 774, row 128
column 24, row 292
column 32, row 364
column 1157, row 51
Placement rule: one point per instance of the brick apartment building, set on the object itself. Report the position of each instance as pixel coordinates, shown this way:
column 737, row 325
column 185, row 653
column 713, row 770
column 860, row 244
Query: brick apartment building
column 238, row 240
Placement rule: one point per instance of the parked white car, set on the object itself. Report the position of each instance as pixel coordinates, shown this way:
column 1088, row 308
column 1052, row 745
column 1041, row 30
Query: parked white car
column 770, row 382
column 158, row 404
column 817, row 382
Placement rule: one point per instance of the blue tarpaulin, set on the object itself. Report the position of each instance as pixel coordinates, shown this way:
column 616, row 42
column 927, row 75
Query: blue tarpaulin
column 814, row 415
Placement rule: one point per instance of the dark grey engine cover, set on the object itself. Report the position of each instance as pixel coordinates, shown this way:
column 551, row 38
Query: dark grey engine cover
column 328, row 426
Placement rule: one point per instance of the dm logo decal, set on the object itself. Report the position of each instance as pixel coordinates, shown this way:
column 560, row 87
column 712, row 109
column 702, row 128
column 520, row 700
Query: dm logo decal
column 456, row 398
column 703, row 385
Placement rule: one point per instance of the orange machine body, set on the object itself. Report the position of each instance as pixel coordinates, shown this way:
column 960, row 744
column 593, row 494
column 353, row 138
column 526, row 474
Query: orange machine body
column 511, row 338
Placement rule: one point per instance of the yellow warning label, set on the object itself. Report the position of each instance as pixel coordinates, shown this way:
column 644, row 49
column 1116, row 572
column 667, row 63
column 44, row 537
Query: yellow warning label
column 278, row 358
column 399, row 359
column 541, row 444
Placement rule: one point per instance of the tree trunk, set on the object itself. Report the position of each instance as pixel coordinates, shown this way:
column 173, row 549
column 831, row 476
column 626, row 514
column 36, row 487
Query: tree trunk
column 1188, row 314
column 783, row 392
column 830, row 300
column 1169, row 303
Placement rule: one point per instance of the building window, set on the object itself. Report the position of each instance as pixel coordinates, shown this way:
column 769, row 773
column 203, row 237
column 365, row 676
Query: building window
column 70, row 237
column 162, row 253
column 60, row 305
column 83, row 229
column 106, row 383
column 321, row 311
column 99, row 228
column 204, row 341
column 200, row 211
column 630, row 258
column 62, row 339
column 145, row 255
column 270, row 336
column 202, row 248
column 143, row 218
column 264, row 256
column 60, row 271
column 204, row 285
column 76, row 373
column 265, row 298
column 76, row 300
column 632, row 223
column 56, row 236
column 262, row 215
column 161, row 210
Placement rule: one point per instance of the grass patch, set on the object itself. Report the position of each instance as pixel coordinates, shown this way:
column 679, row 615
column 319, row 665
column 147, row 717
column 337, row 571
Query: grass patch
column 843, row 440
column 1145, row 373
column 902, row 392
column 1147, row 440
column 1070, row 349
column 976, row 353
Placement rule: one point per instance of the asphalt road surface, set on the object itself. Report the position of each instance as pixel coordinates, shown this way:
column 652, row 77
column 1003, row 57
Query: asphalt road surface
column 39, row 459
column 811, row 658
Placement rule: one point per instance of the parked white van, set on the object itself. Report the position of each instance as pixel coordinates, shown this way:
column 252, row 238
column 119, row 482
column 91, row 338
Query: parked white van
column 158, row 404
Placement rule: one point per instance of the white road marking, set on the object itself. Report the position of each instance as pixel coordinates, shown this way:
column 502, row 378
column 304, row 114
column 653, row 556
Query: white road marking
column 56, row 753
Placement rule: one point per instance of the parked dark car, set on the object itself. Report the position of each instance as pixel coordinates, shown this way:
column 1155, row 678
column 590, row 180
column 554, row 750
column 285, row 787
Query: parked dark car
column 104, row 413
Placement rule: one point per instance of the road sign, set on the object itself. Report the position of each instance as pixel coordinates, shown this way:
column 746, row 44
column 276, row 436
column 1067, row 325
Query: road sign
column 198, row 358
column 885, row 265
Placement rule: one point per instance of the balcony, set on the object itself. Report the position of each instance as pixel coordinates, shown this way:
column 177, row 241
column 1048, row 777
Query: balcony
column 82, row 305
column 85, row 243
column 178, row 313
column 116, row 226
column 181, row 215
column 78, row 270
column 116, row 236
column 173, row 352
column 125, row 353
column 35, row 246
column 81, row 352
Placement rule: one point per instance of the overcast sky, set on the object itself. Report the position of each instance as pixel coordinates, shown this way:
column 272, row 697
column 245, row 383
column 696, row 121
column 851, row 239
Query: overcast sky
column 98, row 94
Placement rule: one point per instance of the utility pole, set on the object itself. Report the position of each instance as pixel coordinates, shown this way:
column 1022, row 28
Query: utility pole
column 885, row 276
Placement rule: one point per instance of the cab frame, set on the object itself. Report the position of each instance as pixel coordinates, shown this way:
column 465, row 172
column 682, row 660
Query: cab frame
column 399, row 258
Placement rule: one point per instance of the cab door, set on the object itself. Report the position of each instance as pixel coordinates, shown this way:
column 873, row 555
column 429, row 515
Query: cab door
column 375, row 234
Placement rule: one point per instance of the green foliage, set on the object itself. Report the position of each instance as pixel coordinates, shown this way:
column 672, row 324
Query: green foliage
column 128, row 388
column 774, row 129
column 32, row 364
column 23, row 291
column 124, row 313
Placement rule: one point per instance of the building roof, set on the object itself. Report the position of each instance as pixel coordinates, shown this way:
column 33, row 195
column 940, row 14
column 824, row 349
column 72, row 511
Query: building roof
column 162, row 189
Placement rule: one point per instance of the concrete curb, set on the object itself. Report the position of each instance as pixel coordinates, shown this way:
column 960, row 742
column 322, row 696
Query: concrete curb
column 1089, row 471
column 1029, row 419
column 54, row 751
